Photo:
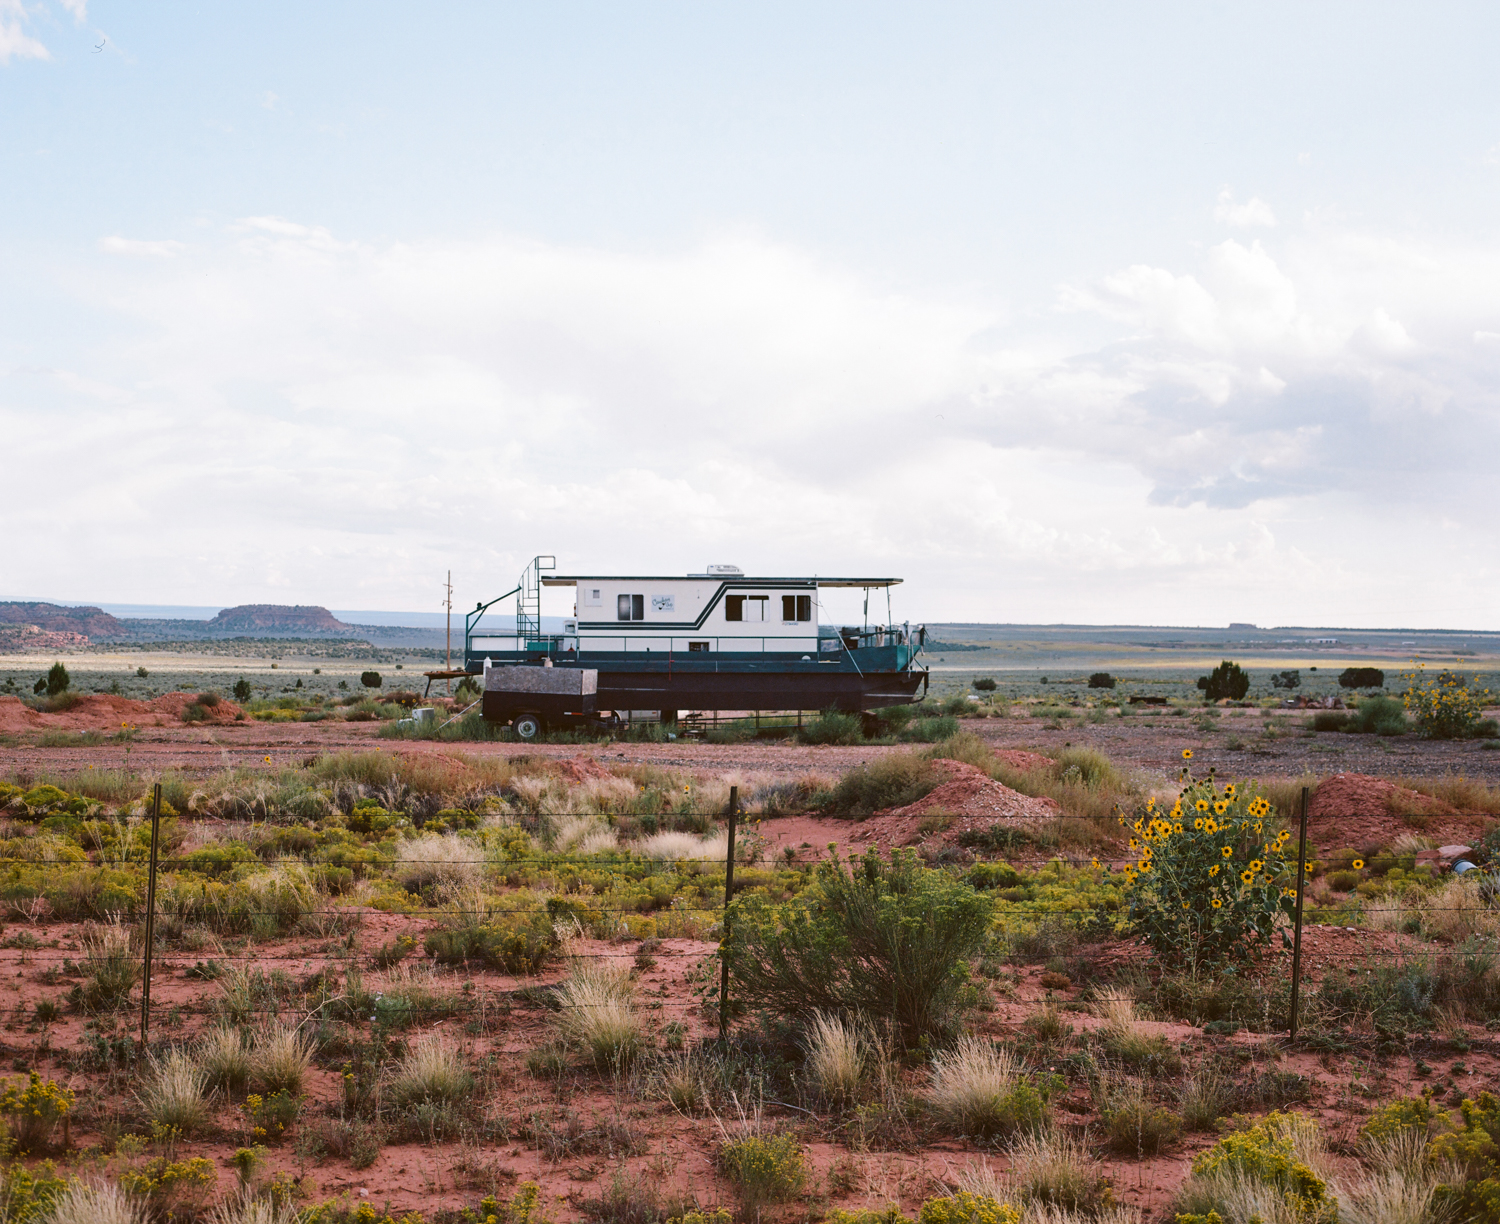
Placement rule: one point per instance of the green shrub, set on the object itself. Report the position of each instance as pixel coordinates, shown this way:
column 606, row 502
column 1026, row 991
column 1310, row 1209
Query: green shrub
column 764, row 1169
column 890, row 781
column 1287, row 679
column 1361, row 677
column 1227, row 680
column 57, row 680
column 833, row 727
column 984, row 684
column 1206, row 885
column 1101, row 680
column 370, row 679
column 515, row 943
column 882, row 940
column 242, row 690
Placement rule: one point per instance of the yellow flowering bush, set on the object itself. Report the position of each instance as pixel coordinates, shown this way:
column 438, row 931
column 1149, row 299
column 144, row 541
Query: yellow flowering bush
column 1445, row 706
column 1209, row 876
column 764, row 1168
column 966, row 1208
column 1265, row 1152
column 33, row 1110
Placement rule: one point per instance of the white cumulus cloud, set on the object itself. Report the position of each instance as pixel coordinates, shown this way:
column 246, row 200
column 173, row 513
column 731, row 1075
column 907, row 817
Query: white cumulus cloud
column 15, row 43
column 279, row 408
column 1253, row 212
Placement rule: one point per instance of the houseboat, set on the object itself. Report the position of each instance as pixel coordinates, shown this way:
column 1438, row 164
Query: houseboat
column 716, row 641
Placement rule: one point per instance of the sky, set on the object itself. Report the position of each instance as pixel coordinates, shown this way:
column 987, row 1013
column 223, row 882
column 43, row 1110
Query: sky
column 1089, row 313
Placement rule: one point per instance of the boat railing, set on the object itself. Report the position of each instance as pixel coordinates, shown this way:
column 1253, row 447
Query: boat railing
column 828, row 642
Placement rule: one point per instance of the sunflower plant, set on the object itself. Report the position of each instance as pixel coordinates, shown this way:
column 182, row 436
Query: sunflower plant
column 1210, row 874
column 1445, row 706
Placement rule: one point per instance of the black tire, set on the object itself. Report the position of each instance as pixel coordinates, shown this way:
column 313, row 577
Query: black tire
column 527, row 726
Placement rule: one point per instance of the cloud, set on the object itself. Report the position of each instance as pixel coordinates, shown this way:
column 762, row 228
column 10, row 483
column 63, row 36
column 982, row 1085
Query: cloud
column 1268, row 423
column 14, row 41
column 1252, row 212
column 136, row 247
column 77, row 9
column 268, row 100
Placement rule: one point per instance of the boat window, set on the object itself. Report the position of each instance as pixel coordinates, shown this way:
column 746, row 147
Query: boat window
column 796, row 608
column 631, row 607
column 745, row 607
column 698, row 647
column 593, row 597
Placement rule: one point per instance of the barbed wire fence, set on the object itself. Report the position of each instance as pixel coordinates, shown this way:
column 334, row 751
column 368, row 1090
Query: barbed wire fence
column 1082, row 917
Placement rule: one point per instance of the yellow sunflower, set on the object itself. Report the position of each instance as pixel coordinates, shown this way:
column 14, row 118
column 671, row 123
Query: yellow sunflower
column 1359, row 864
column 1198, row 824
column 1187, row 754
column 1217, row 904
column 1226, row 851
column 1246, row 877
column 1201, row 805
column 1214, row 870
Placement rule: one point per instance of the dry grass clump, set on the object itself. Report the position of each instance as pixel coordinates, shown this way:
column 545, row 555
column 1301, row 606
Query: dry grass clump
column 836, row 1053
column 1459, row 911
column 245, row 1210
column 1055, row 1170
column 279, row 1060
column 1204, row 1098
column 444, row 863
column 224, row 1057
column 432, row 1073
column 173, row 1095
column 102, row 1203
column 605, row 794
column 1464, row 794
column 584, row 835
column 684, row 847
column 596, row 1014
column 980, row 1090
column 1133, row 1122
column 113, row 970
column 683, row 1080
column 1123, row 1035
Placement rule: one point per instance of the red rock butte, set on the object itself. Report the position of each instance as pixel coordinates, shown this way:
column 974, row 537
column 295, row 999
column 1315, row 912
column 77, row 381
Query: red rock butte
column 278, row 617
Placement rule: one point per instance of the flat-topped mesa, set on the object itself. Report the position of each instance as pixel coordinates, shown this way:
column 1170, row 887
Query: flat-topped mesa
column 278, row 618
column 54, row 618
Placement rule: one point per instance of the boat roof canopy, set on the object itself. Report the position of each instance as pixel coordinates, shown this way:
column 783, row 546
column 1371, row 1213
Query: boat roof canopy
column 865, row 583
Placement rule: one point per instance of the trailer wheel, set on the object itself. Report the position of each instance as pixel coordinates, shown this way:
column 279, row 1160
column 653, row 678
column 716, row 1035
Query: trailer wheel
column 527, row 726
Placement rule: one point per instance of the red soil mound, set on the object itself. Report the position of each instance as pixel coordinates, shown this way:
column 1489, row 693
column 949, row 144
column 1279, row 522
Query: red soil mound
column 969, row 794
column 972, row 792
column 1356, row 811
column 104, row 712
column 581, row 769
column 1019, row 758
column 1349, row 794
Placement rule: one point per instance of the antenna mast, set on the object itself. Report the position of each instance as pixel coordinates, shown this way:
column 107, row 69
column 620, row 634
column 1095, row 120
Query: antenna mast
column 448, row 665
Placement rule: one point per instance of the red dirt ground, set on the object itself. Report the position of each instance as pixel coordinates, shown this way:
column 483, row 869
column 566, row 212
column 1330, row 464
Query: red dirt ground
column 102, row 712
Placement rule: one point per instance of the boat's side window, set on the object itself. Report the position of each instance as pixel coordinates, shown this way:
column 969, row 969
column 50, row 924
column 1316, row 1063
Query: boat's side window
column 631, row 607
column 796, row 608
column 745, row 607
column 698, row 647
column 592, row 597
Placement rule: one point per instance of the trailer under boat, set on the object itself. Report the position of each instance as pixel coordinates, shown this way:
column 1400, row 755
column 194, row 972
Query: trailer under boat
column 710, row 642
